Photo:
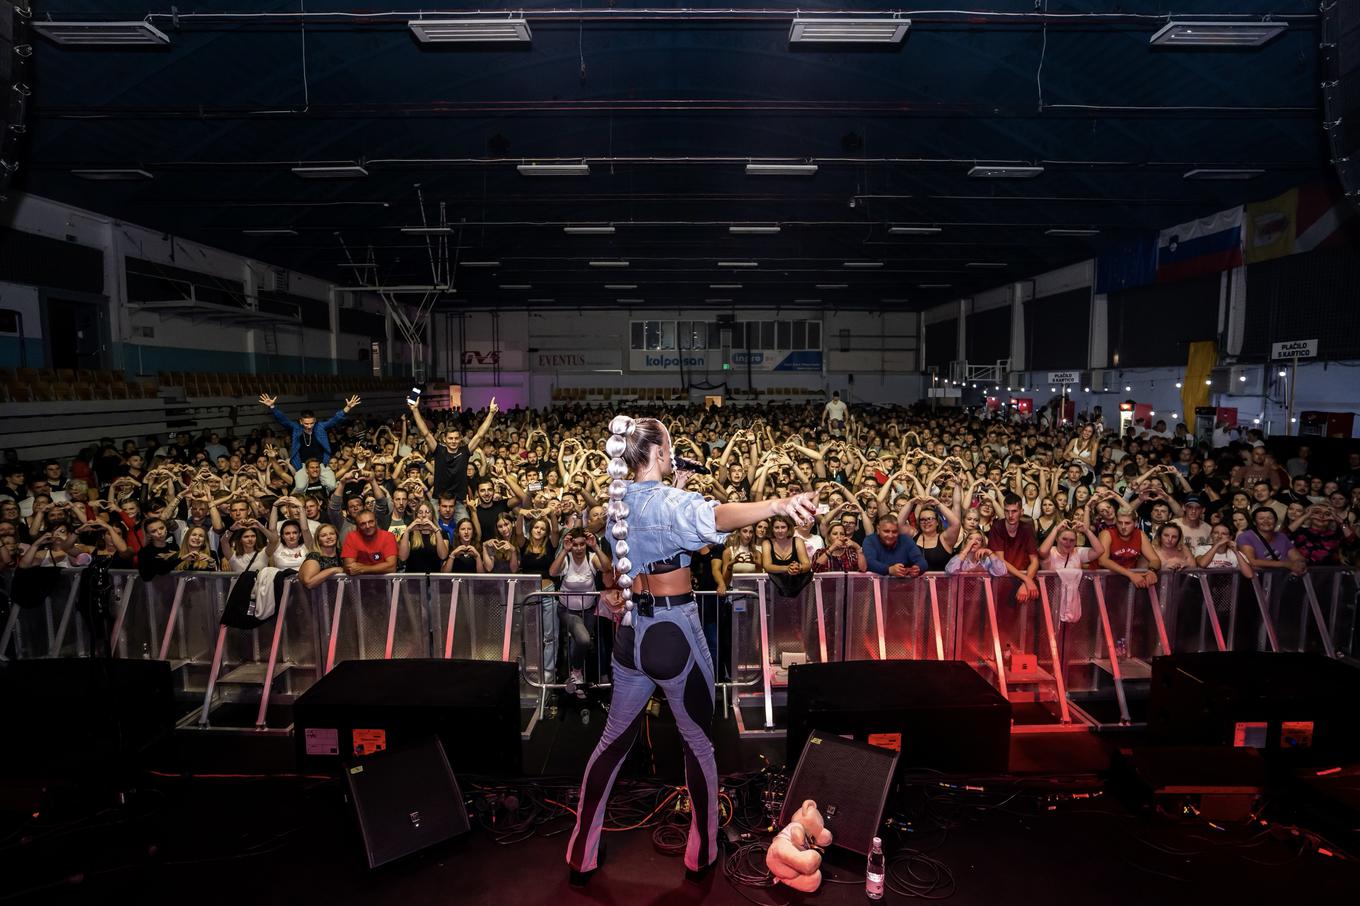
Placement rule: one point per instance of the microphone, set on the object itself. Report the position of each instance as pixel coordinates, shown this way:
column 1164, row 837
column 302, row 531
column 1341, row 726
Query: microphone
column 688, row 465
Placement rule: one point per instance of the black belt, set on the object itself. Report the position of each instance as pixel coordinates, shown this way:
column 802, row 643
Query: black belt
column 647, row 604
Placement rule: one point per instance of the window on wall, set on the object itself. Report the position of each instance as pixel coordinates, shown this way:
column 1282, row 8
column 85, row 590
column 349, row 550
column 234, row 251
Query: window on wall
column 653, row 334
column 694, row 334
column 771, row 335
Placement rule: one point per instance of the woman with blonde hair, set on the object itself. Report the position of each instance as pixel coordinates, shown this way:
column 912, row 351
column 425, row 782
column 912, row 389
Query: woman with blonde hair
column 651, row 526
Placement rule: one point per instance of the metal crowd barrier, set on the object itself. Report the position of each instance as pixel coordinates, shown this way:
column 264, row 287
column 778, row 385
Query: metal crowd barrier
column 1075, row 656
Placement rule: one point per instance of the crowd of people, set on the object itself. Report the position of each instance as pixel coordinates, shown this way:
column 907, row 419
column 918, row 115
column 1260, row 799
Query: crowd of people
column 903, row 491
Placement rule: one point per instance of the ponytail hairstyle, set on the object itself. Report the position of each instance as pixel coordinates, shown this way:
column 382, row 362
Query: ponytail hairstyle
column 628, row 448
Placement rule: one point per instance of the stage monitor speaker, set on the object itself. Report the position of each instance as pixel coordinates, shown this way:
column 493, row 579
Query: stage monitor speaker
column 88, row 714
column 939, row 715
column 1299, row 705
column 363, row 707
column 849, row 781
column 406, row 800
column 1340, row 48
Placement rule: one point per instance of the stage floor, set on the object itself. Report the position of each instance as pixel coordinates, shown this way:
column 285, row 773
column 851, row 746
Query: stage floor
column 290, row 842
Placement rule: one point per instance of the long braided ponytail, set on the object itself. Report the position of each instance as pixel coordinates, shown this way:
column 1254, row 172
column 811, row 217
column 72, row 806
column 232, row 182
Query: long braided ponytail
column 620, row 428
column 629, row 448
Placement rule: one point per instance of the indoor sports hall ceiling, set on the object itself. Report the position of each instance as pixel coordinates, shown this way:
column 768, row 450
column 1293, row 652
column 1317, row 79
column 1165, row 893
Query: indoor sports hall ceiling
column 667, row 105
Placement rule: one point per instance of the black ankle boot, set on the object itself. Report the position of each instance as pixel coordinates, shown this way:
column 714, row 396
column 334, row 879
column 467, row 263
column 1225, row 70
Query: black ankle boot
column 699, row 875
column 582, row 878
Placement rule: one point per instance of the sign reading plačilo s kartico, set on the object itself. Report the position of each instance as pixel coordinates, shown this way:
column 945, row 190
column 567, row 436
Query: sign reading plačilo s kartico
column 1294, row 349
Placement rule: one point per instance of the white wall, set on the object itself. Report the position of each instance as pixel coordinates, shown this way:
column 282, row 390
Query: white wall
column 222, row 344
column 879, row 351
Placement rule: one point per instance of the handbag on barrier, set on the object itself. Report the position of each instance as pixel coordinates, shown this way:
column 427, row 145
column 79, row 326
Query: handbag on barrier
column 253, row 597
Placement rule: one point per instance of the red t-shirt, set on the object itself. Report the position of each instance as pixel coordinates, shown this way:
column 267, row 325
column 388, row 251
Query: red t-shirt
column 366, row 551
column 1016, row 551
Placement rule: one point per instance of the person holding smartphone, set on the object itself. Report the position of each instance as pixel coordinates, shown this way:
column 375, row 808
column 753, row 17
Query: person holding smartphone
column 451, row 456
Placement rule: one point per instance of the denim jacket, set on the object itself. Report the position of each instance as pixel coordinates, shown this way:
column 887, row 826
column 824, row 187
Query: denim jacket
column 664, row 522
column 318, row 431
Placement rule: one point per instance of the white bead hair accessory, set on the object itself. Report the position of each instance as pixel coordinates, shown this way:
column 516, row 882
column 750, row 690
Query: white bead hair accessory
column 622, row 424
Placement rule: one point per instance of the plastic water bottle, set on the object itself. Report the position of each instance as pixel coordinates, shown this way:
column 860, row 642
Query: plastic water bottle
column 873, row 874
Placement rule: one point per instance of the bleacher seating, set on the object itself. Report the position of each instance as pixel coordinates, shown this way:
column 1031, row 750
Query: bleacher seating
column 249, row 386
column 24, row 385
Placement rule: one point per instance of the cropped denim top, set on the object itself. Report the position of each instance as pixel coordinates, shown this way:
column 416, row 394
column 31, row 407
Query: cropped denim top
column 664, row 523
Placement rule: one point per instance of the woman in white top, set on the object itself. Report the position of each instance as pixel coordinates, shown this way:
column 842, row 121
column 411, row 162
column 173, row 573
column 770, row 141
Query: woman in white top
column 741, row 556
column 1060, row 553
column 295, row 543
column 577, row 565
column 1085, row 447
column 1060, row 550
column 248, row 545
column 811, row 542
column 1222, row 552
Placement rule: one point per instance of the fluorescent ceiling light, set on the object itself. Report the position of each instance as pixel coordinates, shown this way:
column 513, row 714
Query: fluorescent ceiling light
column 101, row 34
column 934, row 285
column 717, row 300
column 630, row 301
column 1065, row 231
column 542, row 300
column 516, row 286
column 738, row 264
column 532, row 169
column 894, row 301
column 724, row 286
column 426, row 230
column 862, row 264
column 832, row 285
column 819, row 30
column 269, row 231
column 781, row 169
column 609, row 264
column 913, row 231
column 807, row 301
column 588, row 230
column 471, row 31
column 753, row 229
column 116, row 174
column 480, row 263
column 985, row 264
column 1215, row 173
column 1216, row 34
column 620, row 286
column 345, row 171
column 1005, row 172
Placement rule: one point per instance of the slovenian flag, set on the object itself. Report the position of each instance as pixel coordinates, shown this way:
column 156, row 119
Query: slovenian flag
column 1204, row 246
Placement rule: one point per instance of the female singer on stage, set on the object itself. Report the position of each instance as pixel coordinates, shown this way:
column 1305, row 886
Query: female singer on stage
column 661, row 641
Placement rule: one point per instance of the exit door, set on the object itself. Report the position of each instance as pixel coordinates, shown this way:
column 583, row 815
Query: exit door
column 74, row 333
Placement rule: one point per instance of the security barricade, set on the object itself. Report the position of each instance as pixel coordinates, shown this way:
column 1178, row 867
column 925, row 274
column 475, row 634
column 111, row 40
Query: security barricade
column 1080, row 652
column 377, row 617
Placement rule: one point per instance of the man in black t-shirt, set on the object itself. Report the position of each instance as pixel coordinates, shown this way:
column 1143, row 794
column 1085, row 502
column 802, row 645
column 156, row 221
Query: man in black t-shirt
column 488, row 509
column 451, row 458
